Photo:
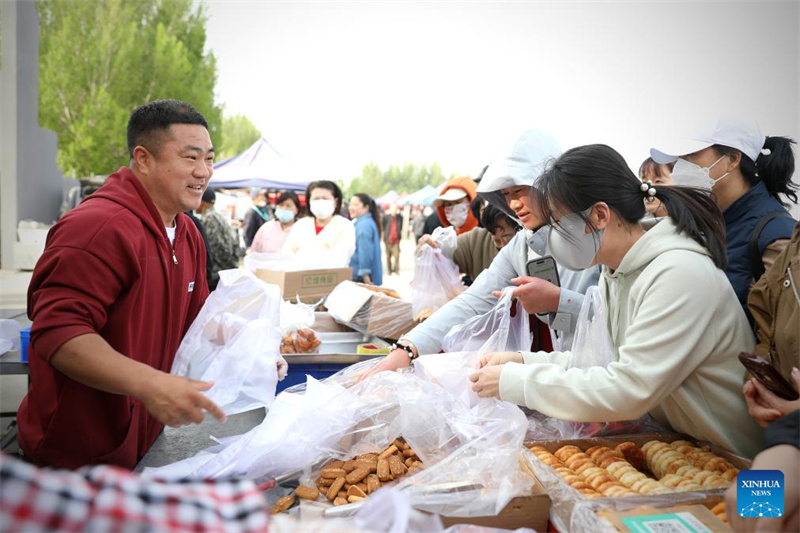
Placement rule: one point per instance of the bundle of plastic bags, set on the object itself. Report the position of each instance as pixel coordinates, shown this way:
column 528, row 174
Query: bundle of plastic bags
column 436, row 278
column 234, row 342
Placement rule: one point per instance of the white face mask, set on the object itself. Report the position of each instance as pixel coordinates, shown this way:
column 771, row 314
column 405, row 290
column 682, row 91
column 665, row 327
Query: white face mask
column 688, row 174
column 570, row 245
column 322, row 209
column 456, row 214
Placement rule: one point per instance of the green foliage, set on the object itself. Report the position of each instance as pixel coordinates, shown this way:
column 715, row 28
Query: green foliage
column 405, row 179
column 239, row 134
column 100, row 59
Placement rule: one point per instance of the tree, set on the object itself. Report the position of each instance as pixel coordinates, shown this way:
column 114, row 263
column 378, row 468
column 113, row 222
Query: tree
column 405, row 179
column 239, row 134
column 98, row 60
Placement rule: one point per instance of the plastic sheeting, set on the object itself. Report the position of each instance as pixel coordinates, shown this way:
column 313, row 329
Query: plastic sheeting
column 475, row 444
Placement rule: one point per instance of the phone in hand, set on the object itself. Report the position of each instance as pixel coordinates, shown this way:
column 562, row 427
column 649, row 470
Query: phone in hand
column 544, row 268
column 769, row 376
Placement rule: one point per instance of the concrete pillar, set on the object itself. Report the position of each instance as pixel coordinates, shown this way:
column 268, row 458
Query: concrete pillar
column 31, row 186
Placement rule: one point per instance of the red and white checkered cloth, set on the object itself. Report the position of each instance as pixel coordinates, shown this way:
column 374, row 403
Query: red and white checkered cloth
column 108, row 499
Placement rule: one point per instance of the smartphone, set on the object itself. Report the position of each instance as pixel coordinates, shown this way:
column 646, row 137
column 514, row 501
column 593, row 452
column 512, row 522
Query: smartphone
column 544, row 268
column 769, row 376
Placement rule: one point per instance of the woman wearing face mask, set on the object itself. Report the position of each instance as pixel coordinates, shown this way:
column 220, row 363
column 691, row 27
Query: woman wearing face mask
column 325, row 237
column 507, row 185
column 453, row 202
column 673, row 318
column 747, row 174
column 272, row 235
column 366, row 262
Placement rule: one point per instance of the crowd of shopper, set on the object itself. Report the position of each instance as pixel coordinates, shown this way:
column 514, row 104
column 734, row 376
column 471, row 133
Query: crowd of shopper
column 697, row 260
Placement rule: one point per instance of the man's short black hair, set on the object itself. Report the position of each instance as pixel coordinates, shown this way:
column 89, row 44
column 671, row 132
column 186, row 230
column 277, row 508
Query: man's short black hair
column 149, row 123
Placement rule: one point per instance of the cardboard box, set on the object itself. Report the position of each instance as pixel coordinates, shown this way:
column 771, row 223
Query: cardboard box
column 370, row 312
column 324, row 323
column 679, row 518
column 385, row 317
column 523, row 511
column 310, row 285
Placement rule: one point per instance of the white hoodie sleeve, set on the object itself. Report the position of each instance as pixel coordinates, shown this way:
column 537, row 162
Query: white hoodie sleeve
column 676, row 324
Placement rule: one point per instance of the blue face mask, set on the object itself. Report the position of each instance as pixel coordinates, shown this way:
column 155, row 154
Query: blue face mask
column 284, row 215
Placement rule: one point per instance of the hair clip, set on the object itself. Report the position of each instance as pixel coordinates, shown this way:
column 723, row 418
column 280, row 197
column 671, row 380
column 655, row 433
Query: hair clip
column 766, row 151
column 649, row 191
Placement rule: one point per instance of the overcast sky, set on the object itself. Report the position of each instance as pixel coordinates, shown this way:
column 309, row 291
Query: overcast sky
column 335, row 85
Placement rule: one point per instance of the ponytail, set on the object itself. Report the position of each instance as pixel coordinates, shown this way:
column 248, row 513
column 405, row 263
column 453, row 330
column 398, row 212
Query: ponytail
column 368, row 201
column 774, row 166
column 696, row 215
column 585, row 175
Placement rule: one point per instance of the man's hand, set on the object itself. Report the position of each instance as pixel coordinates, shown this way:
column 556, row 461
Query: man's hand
column 785, row 458
column 395, row 360
column 766, row 407
column 177, row 401
column 537, row 295
column 486, row 381
column 366, row 279
column 500, row 358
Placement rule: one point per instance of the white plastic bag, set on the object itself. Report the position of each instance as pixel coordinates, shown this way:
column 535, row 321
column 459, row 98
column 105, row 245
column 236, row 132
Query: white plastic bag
column 324, row 421
column 495, row 331
column 234, row 342
column 436, row 278
column 9, row 335
column 592, row 345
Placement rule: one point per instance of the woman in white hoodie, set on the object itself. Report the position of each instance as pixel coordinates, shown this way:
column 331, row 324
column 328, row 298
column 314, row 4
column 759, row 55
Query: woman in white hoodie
column 673, row 316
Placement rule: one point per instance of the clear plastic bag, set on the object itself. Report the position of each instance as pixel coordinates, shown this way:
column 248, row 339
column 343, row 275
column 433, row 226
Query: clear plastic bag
column 297, row 337
column 343, row 417
column 436, row 278
column 495, row 331
column 592, row 345
column 234, row 342
column 571, row 511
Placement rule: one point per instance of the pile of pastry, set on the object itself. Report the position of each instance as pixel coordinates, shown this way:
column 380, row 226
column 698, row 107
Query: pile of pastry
column 303, row 340
column 603, row 472
column 344, row 482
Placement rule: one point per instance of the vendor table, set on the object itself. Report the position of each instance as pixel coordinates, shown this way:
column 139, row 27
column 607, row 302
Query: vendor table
column 175, row 444
column 337, row 351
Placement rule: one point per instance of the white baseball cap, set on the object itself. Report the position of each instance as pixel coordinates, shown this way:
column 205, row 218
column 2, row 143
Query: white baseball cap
column 743, row 135
column 450, row 195
column 526, row 161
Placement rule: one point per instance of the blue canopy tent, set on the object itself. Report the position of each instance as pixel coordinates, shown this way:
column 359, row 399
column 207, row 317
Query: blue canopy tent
column 258, row 166
column 415, row 198
column 388, row 198
column 424, row 196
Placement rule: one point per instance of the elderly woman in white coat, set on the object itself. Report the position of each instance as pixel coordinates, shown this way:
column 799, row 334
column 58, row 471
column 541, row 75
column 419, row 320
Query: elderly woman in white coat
column 325, row 239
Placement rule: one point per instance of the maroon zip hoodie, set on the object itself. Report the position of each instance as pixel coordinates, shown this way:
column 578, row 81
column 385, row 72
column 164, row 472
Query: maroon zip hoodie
column 107, row 268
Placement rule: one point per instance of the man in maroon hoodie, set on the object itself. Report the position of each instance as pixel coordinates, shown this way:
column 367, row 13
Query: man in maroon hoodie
column 121, row 279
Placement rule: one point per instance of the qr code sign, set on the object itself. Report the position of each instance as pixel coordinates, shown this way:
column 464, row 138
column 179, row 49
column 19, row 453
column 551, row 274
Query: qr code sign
column 666, row 523
column 672, row 525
